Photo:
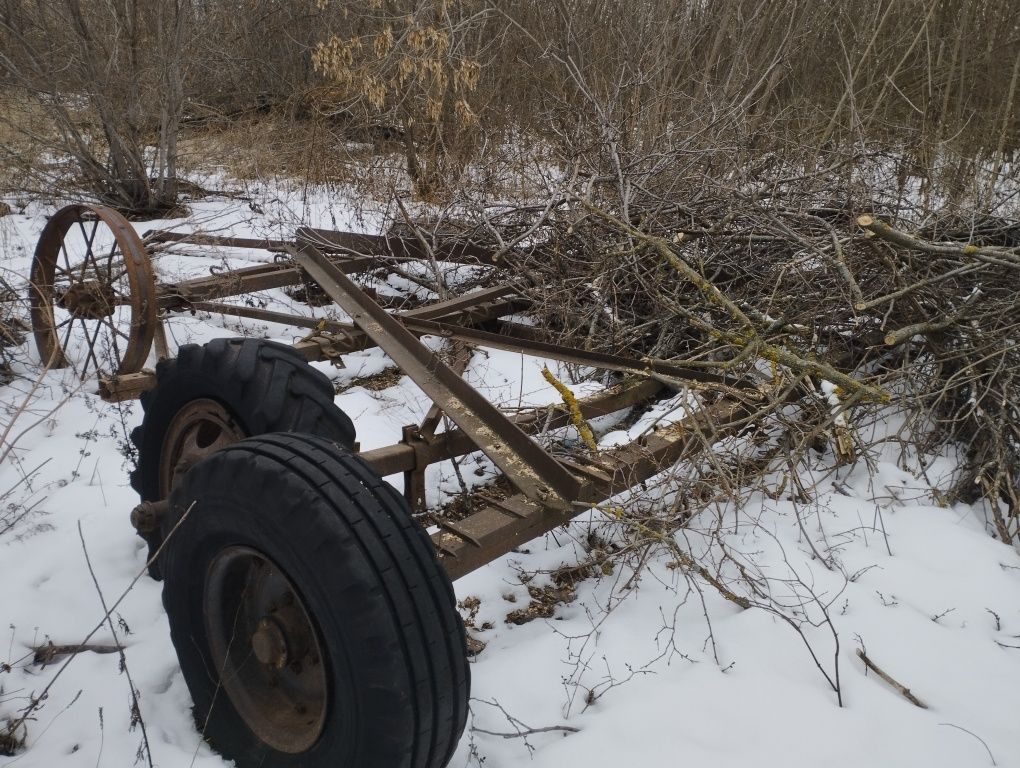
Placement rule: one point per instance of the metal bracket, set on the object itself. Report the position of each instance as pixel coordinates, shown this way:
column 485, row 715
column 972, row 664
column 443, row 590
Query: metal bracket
column 414, row 478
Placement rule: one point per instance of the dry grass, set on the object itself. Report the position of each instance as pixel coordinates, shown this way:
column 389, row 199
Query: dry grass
column 278, row 145
column 12, row 738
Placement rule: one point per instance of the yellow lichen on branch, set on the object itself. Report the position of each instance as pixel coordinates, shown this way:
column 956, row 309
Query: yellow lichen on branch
column 576, row 418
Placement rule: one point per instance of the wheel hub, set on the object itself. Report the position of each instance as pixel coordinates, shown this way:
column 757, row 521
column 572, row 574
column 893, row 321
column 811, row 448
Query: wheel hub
column 198, row 429
column 266, row 649
column 269, row 644
column 89, row 300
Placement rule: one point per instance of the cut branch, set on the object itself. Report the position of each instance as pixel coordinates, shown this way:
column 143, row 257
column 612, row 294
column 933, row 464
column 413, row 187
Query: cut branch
column 903, row 690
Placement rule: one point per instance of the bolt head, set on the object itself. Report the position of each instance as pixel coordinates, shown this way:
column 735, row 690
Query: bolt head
column 269, row 644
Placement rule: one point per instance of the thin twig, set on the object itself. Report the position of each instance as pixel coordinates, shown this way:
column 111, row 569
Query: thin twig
column 136, row 711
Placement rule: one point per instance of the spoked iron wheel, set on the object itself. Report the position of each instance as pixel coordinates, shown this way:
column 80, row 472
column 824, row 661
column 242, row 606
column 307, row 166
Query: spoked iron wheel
column 92, row 293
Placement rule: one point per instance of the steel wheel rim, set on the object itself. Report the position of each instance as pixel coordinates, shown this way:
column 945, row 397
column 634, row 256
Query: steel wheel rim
column 266, row 649
column 92, row 294
column 198, row 429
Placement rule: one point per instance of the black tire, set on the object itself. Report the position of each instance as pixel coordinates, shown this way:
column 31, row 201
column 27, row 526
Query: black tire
column 366, row 576
column 266, row 387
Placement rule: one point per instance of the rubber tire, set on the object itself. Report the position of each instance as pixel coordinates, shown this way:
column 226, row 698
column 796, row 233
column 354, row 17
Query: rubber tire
column 266, row 386
column 367, row 575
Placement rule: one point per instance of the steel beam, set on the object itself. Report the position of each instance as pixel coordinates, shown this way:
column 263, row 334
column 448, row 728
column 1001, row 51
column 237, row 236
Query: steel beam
column 197, row 238
column 406, row 248
column 531, row 345
column 477, row 307
column 237, row 282
column 537, row 474
column 502, row 525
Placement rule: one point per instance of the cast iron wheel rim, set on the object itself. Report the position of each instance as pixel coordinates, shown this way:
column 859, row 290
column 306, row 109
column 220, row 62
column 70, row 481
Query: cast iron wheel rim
column 198, row 429
column 266, row 649
column 93, row 294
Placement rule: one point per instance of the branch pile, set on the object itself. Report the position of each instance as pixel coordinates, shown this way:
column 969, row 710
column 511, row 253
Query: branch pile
column 832, row 295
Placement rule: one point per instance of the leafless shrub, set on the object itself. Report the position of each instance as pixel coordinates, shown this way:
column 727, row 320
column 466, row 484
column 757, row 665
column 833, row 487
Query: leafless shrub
column 410, row 71
column 109, row 78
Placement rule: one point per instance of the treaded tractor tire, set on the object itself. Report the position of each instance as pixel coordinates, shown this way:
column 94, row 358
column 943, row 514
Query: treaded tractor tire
column 266, row 386
column 366, row 576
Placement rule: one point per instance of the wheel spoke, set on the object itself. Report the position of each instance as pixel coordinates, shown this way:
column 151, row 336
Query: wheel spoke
column 67, row 259
column 91, row 255
column 88, row 244
column 109, row 258
column 92, row 348
column 88, row 248
column 84, row 340
column 113, row 338
column 123, row 300
column 117, row 331
column 119, row 275
column 85, row 261
column 67, row 336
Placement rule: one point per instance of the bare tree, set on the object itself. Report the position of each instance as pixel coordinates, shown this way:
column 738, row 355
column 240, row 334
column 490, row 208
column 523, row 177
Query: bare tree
column 110, row 78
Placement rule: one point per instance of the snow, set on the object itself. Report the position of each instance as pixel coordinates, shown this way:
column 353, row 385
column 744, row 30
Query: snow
column 649, row 669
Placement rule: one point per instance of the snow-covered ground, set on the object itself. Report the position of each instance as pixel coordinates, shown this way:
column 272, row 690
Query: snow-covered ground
column 656, row 669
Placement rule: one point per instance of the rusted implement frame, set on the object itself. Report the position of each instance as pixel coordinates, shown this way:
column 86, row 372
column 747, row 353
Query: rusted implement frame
column 362, row 252
column 89, row 292
column 403, row 248
column 330, row 241
column 417, row 449
column 504, row 524
column 197, row 238
column 236, row 282
column 552, row 490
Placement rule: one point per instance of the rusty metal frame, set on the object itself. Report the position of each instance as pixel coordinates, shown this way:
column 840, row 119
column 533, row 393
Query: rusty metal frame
column 199, row 238
column 333, row 338
column 401, row 248
column 502, row 525
column 552, row 489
